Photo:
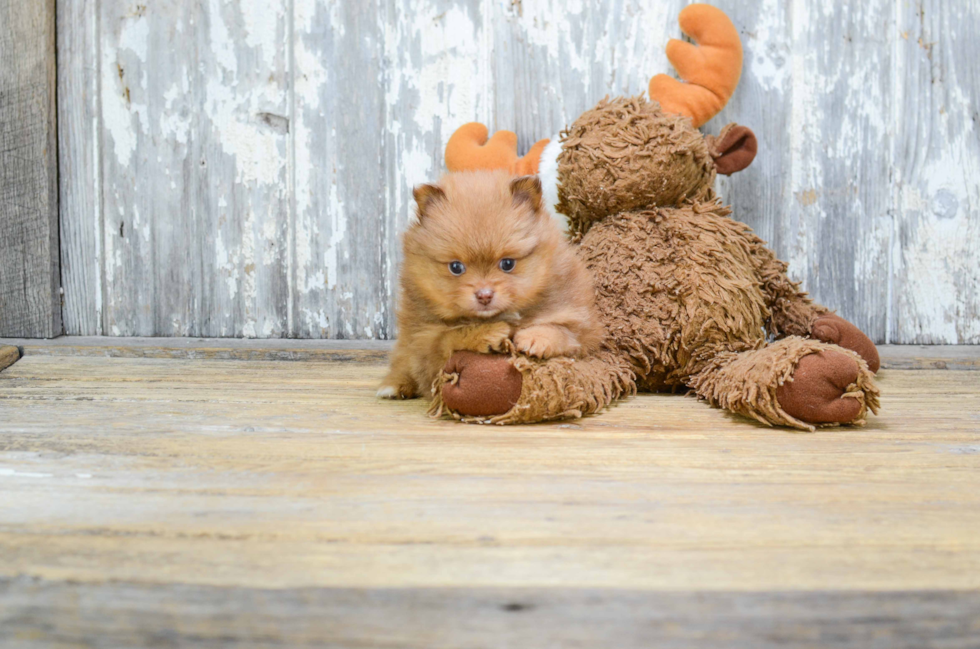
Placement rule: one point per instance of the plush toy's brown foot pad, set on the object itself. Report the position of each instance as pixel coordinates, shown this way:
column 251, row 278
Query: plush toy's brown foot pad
column 816, row 393
column 831, row 328
column 484, row 384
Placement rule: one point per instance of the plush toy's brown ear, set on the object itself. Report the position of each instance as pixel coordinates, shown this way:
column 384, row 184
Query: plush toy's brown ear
column 734, row 149
column 527, row 189
column 425, row 196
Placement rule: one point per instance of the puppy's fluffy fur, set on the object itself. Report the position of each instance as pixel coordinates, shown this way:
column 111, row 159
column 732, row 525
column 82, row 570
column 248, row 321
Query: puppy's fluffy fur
column 520, row 280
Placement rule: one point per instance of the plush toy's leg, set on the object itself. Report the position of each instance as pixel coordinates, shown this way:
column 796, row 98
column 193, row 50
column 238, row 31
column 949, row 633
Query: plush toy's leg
column 515, row 389
column 831, row 328
column 795, row 314
column 794, row 382
column 793, row 311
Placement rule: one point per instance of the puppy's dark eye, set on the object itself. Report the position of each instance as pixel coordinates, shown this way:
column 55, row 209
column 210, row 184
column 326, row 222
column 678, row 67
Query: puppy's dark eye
column 457, row 268
column 507, row 264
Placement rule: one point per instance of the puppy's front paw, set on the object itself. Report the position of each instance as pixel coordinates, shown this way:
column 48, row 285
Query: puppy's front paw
column 495, row 338
column 545, row 342
column 396, row 391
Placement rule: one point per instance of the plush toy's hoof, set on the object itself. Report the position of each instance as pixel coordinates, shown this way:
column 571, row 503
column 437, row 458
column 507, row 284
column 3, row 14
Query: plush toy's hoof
column 485, row 384
column 816, row 393
column 831, row 328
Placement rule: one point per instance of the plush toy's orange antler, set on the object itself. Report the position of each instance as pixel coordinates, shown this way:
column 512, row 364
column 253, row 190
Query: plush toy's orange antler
column 469, row 149
column 711, row 69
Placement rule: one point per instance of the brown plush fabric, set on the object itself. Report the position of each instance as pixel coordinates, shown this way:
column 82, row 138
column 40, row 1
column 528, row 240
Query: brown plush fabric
column 497, row 380
column 673, row 282
column 749, row 382
column 822, row 389
column 626, row 154
column 791, row 311
column 559, row 388
column 831, row 328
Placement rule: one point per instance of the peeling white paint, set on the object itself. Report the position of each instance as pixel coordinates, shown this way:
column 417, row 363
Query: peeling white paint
column 134, row 36
column 315, row 320
column 117, row 118
column 944, row 204
column 531, row 67
column 260, row 19
column 175, row 124
column 439, row 82
column 766, row 52
column 338, row 229
column 257, row 156
column 228, row 266
column 222, row 45
column 249, row 287
column 311, row 78
column 543, row 28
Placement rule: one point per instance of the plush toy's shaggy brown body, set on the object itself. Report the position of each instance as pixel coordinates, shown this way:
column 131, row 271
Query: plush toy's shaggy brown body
column 689, row 297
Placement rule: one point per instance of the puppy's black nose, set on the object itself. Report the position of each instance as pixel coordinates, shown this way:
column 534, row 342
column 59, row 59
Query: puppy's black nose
column 484, row 295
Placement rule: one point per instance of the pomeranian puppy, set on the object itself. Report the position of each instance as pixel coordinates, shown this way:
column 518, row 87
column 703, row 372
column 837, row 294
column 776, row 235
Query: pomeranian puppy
column 485, row 264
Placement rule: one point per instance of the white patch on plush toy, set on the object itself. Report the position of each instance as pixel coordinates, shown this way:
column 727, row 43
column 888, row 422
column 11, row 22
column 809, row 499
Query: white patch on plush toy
column 548, row 173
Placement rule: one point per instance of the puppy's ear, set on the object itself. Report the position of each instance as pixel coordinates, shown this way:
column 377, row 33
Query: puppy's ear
column 425, row 197
column 526, row 189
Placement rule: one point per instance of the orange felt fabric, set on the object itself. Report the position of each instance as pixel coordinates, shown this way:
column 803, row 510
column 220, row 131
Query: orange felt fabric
column 711, row 69
column 468, row 149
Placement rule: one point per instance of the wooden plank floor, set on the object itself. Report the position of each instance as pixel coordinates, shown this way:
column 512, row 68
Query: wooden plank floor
column 209, row 501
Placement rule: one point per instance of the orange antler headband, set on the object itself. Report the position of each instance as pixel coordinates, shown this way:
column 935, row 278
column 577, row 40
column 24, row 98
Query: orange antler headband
column 711, row 69
column 469, row 149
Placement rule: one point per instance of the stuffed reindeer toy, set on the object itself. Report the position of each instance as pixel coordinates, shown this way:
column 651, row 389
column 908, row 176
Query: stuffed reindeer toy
column 690, row 299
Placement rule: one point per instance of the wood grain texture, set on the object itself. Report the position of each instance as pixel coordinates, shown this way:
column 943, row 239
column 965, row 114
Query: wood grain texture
column 893, row 357
column 44, row 613
column 194, row 109
column 280, row 504
column 865, row 180
column 370, row 351
column 292, row 474
column 820, row 190
column 936, row 164
column 80, row 167
column 553, row 60
column 30, row 281
column 339, row 267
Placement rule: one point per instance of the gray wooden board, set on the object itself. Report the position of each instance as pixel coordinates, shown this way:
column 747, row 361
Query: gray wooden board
column 80, row 166
column 935, row 160
column 30, row 301
column 339, row 263
column 35, row 613
column 194, row 109
column 813, row 90
column 255, row 161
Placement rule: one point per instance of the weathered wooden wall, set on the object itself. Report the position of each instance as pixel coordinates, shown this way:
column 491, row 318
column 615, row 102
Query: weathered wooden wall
column 238, row 168
column 30, row 282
